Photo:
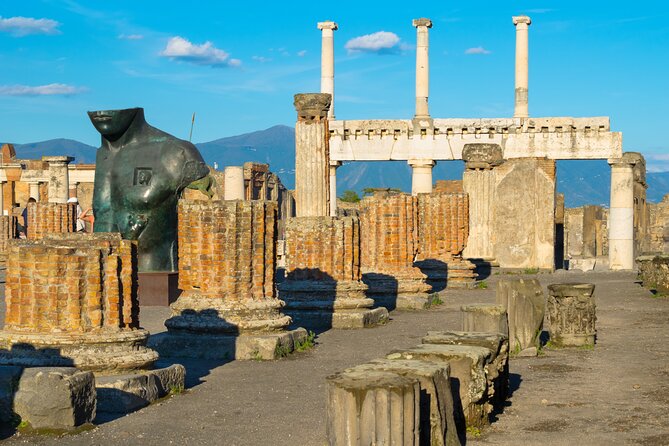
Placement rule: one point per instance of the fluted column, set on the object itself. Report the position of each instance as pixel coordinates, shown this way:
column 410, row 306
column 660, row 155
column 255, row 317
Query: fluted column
column 621, row 214
column 522, row 24
column 312, row 170
column 327, row 61
column 234, row 183
column 59, row 179
column 333, row 187
column 422, row 67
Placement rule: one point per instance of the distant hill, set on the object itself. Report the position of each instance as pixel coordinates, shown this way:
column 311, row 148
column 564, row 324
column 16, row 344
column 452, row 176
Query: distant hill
column 582, row 181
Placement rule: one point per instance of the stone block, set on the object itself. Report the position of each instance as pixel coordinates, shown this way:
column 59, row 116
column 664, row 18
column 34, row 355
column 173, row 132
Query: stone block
column 484, row 318
column 468, row 375
column 9, row 383
column 497, row 370
column 654, row 272
column 56, row 397
column 440, row 423
column 525, row 308
column 130, row 392
column 571, row 314
column 372, row 408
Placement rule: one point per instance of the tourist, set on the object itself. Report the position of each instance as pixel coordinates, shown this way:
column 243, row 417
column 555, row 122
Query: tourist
column 23, row 230
column 81, row 225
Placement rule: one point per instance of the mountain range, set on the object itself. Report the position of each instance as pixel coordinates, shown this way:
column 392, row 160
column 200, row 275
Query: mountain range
column 582, row 181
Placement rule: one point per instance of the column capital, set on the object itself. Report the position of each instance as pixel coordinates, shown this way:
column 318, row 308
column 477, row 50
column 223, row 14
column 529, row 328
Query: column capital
column 522, row 20
column 58, row 159
column 328, row 25
column 421, row 163
column 422, row 22
column 482, row 155
column 312, row 106
column 335, row 163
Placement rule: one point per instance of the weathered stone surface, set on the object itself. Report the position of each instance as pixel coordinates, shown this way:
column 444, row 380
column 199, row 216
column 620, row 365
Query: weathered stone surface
column 523, row 235
column 9, row 383
column 654, row 272
column 439, row 422
column 468, row 371
column 482, row 156
column 525, row 308
column 571, row 314
column 130, row 392
column 497, row 370
column 71, row 300
column 56, row 397
column 484, row 318
column 372, row 408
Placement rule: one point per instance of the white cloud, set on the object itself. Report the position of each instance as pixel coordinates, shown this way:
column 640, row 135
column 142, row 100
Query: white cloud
column 477, row 50
column 378, row 42
column 657, row 162
column 40, row 90
column 130, row 36
column 179, row 48
column 23, row 26
column 261, row 59
column 302, row 53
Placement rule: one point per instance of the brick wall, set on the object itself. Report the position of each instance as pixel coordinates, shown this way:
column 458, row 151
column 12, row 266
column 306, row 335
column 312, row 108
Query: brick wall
column 389, row 232
column 7, row 232
column 50, row 218
column 227, row 248
column 443, row 225
column 322, row 248
column 450, row 186
column 72, row 283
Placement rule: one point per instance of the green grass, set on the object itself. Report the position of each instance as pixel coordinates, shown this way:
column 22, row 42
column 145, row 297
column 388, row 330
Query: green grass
column 176, row 389
column 281, row 350
column 531, row 271
column 256, row 356
column 306, row 343
column 435, row 299
column 473, row 431
column 482, row 285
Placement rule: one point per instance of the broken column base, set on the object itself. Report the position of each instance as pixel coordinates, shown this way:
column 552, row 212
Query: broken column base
column 260, row 346
column 328, row 304
column 130, row 392
column 103, row 352
column 456, row 273
column 399, row 293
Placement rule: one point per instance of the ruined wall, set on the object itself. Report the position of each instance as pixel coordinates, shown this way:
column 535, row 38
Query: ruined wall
column 71, row 283
column 389, row 232
column 443, row 225
column 50, row 218
column 323, row 248
column 7, row 232
column 448, row 186
column 586, row 232
column 658, row 227
column 523, row 233
column 227, row 248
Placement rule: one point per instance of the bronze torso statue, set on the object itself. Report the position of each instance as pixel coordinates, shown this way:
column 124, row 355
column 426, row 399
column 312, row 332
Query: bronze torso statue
column 140, row 172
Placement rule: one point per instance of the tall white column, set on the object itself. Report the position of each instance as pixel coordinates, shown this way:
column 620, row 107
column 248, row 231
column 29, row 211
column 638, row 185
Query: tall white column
column 333, row 187
column 522, row 24
column 2, row 198
column 422, row 67
column 327, row 61
column 621, row 215
column 421, row 176
column 34, row 190
column 234, row 183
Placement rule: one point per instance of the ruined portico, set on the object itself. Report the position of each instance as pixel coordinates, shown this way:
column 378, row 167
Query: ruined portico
column 521, row 140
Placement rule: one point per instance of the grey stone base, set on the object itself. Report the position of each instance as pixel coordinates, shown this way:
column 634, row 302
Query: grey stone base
column 406, row 301
column 131, row 392
column 573, row 340
column 177, row 344
column 340, row 319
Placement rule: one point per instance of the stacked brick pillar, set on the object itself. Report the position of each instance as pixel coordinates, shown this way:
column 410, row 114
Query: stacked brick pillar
column 323, row 278
column 50, row 218
column 7, row 232
column 227, row 255
column 72, row 300
column 389, row 228
column 442, row 233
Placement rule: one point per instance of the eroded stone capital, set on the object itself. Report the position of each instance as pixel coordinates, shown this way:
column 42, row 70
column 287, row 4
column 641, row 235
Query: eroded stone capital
column 312, row 106
column 522, row 20
column 58, row 159
column 422, row 22
column 482, row 155
column 328, row 25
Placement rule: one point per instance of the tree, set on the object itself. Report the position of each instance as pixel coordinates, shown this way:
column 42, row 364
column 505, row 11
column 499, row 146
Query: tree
column 350, row 196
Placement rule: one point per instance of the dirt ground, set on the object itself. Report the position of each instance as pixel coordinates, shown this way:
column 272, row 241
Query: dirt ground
column 616, row 394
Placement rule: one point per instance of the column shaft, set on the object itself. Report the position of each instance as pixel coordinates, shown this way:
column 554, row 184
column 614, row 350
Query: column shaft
column 234, row 183
column 621, row 217
column 34, row 191
column 327, row 61
column 522, row 57
column 421, row 176
column 422, row 67
column 333, row 187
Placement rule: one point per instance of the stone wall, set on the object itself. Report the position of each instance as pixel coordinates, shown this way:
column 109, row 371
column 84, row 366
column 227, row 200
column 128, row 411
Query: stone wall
column 50, row 218
column 586, row 236
column 658, row 228
column 227, row 248
column 449, row 186
column 60, row 285
column 523, row 234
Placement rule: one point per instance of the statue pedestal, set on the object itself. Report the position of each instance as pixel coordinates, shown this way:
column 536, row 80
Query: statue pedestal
column 158, row 288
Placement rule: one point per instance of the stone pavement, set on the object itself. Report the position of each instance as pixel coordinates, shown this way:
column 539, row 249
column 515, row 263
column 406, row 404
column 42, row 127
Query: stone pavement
column 614, row 394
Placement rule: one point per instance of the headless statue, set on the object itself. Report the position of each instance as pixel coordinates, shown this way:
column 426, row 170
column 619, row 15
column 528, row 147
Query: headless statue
column 140, row 172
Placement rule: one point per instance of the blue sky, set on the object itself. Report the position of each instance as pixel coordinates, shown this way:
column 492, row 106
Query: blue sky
column 238, row 64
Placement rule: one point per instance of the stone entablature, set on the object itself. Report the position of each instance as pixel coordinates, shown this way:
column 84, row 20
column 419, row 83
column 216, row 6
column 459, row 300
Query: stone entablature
column 554, row 138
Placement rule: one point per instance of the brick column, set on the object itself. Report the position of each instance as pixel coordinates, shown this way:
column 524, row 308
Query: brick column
column 228, row 308
column 312, row 155
column 45, row 219
column 389, row 230
column 72, row 300
column 323, row 285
